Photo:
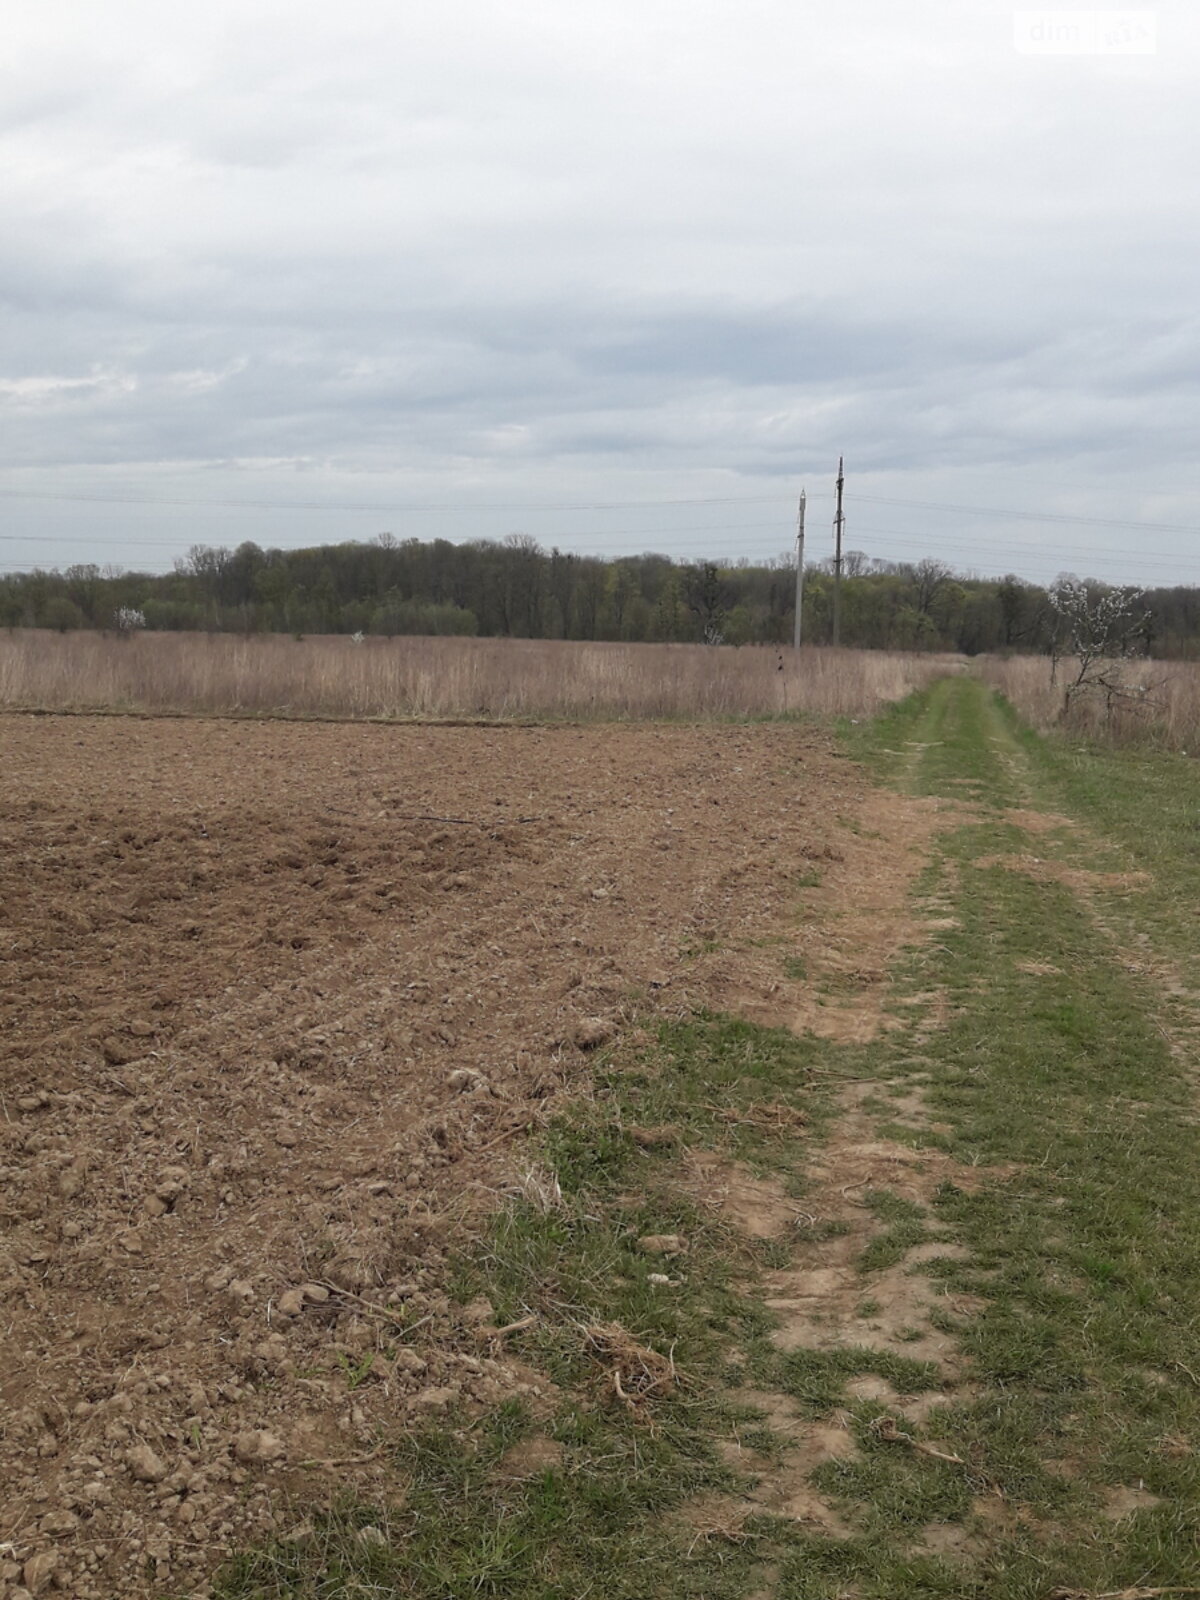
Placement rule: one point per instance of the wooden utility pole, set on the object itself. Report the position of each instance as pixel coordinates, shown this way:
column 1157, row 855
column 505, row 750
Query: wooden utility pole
column 838, row 525
column 799, row 572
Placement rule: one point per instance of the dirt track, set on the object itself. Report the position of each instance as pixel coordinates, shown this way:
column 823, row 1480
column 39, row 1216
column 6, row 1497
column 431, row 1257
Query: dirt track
column 270, row 1018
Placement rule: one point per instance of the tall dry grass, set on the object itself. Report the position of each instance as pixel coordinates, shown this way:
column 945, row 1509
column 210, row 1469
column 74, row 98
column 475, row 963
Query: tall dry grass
column 1166, row 712
column 221, row 674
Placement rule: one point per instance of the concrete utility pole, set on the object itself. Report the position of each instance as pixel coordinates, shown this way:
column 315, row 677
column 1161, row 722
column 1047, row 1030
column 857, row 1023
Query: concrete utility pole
column 838, row 526
column 799, row 571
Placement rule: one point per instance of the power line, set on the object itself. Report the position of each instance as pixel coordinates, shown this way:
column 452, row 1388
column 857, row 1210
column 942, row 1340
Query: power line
column 1028, row 516
column 598, row 533
column 533, row 507
column 665, row 534
column 1010, row 552
column 392, row 508
column 658, row 539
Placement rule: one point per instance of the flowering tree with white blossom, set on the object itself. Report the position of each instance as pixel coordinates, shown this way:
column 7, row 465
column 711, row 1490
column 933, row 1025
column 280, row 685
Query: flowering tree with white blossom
column 128, row 621
column 1098, row 630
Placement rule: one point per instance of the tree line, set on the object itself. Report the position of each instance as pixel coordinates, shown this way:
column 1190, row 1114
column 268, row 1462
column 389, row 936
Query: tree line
column 516, row 588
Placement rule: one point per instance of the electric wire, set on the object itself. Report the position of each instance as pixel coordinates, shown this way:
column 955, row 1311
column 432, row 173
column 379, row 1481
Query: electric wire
column 394, row 508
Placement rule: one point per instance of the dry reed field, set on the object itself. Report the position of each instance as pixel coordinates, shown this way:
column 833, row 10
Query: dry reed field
column 428, row 678
column 1165, row 713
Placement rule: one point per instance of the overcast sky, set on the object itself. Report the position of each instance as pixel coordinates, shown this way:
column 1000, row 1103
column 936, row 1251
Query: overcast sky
column 622, row 274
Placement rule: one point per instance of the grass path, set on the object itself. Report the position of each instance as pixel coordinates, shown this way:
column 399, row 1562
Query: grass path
column 960, row 1357
column 1068, row 1053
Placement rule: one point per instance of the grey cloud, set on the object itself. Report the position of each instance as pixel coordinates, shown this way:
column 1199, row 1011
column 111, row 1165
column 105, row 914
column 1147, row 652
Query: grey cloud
column 529, row 254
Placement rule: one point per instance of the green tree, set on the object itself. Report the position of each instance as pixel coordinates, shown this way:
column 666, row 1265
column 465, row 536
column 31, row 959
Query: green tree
column 63, row 614
column 708, row 599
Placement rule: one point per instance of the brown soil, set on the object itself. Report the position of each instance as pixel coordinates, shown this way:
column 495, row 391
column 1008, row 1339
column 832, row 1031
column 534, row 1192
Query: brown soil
column 826, row 1301
column 1081, row 879
column 531, row 1458
column 278, row 1003
column 782, row 1490
column 856, row 915
column 951, row 1541
column 1040, row 821
column 1125, row 1501
column 758, row 1207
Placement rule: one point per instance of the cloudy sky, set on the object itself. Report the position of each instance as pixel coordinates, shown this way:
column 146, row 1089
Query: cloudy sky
column 622, row 274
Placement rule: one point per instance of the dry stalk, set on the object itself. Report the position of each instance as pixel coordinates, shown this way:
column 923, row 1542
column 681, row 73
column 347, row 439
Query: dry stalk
column 494, row 1337
column 1116, row 1594
column 637, row 1373
column 516, row 1327
column 541, row 1188
column 463, row 822
column 457, row 681
column 340, row 1461
column 525, row 1125
column 775, row 1117
column 729, row 1532
column 394, row 1318
column 886, row 1428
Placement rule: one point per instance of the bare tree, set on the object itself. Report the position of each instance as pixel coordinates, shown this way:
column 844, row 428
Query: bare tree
column 523, row 577
column 928, row 577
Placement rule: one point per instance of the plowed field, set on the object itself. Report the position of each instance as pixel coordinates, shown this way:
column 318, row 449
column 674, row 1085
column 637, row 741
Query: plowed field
column 278, row 1003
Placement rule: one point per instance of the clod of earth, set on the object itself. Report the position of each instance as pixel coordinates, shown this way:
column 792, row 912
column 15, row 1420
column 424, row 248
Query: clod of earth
column 663, row 1244
column 145, row 1466
column 38, row 1571
column 462, row 1079
column 437, row 1399
column 293, row 1301
column 657, row 1138
column 258, row 1447
column 593, row 1032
